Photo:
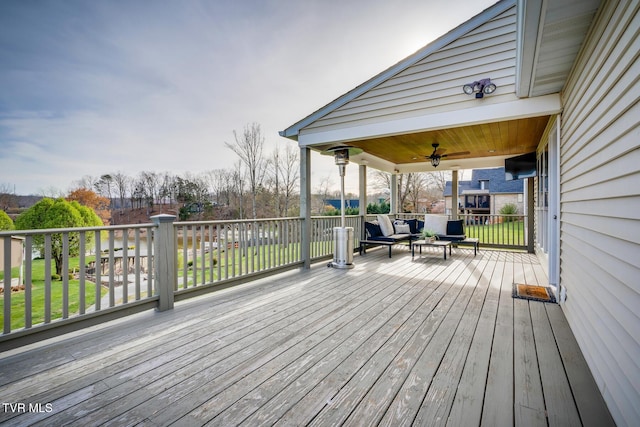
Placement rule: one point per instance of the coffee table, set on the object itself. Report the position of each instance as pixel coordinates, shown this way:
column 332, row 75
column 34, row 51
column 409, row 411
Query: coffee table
column 420, row 243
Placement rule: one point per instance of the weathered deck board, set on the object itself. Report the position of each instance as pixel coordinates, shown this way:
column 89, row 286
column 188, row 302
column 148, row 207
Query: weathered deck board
column 388, row 369
column 560, row 407
column 498, row 397
column 331, row 353
column 393, row 342
column 589, row 402
column 467, row 405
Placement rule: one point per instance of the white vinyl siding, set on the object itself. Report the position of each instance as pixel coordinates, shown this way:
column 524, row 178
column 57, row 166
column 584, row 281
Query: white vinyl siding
column 600, row 206
column 434, row 84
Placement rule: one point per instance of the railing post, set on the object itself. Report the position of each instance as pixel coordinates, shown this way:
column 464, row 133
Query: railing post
column 362, row 194
column 454, row 195
column 164, row 260
column 530, row 216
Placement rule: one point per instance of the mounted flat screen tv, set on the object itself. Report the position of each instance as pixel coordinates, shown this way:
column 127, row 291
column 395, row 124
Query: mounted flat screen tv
column 520, row 167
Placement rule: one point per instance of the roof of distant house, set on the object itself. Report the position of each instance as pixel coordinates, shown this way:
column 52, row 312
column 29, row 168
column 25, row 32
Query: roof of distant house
column 495, row 183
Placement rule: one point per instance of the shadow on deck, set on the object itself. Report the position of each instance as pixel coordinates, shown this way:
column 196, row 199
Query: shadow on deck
column 391, row 342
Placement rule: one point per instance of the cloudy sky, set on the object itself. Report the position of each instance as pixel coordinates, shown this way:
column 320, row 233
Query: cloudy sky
column 90, row 87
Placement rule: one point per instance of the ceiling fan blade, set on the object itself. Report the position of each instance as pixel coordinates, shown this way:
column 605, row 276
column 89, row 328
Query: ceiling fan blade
column 459, row 153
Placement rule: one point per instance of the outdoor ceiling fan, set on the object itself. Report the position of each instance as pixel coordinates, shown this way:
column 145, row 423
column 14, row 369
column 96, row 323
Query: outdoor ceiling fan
column 437, row 154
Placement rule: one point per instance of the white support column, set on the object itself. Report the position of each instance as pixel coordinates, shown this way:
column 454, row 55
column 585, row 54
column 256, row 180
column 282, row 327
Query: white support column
column 393, row 202
column 305, row 205
column 362, row 195
column 454, row 194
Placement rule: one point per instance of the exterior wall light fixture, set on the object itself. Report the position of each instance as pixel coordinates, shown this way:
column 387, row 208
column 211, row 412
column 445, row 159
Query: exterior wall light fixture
column 480, row 88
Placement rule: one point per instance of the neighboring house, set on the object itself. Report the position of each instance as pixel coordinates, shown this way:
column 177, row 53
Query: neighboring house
column 17, row 256
column 16, row 250
column 566, row 87
column 486, row 193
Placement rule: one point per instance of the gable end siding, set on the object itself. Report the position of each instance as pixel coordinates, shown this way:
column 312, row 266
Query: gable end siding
column 434, row 84
column 600, row 206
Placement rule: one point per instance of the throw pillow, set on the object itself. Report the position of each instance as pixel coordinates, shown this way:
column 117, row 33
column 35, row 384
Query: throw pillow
column 413, row 225
column 436, row 223
column 373, row 229
column 385, row 225
column 403, row 229
column 455, row 228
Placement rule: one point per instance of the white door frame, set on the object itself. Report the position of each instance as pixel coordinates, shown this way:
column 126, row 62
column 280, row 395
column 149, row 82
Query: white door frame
column 553, row 230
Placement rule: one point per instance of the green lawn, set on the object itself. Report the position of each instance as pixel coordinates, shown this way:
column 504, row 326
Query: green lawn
column 38, row 296
column 234, row 263
column 509, row 233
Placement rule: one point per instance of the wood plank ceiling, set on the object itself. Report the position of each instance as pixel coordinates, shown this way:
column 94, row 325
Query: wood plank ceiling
column 506, row 138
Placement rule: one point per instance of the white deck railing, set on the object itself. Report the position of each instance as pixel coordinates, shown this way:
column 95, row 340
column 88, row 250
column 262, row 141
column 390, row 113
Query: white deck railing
column 111, row 271
column 100, row 268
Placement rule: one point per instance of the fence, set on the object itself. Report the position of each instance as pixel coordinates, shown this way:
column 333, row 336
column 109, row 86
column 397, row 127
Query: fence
column 495, row 231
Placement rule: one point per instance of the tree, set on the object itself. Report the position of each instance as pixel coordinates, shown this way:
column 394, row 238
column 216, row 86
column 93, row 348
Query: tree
column 238, row 182
column 8, row 198
column 438, row 179
column 323, row 192
column 121, row 182
column 288, row 174
column 103, row 186
column 249, row 147
column 59, row 213
column 220, row 185
column 6, row 223
column 90, row 199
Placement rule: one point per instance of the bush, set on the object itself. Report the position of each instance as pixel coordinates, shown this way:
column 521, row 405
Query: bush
column 509, row 209
column 378, row 208
column 6, row 223
column 331, row 211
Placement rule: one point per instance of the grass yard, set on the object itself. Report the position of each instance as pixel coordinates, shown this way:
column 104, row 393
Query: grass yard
column 236, row 262
column 508, row 233
column 38, row 296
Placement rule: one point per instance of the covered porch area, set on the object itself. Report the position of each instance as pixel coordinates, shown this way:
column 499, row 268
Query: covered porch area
column 391, row 342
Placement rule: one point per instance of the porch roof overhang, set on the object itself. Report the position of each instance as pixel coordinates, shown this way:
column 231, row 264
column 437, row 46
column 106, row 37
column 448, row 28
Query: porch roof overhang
column 549, row 35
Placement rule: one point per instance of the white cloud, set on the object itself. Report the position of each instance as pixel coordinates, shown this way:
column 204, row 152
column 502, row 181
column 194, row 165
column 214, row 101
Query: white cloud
column 88, row 88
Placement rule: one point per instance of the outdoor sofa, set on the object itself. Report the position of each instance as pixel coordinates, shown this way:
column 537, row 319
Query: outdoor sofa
column 451, row 230
column 384, row 232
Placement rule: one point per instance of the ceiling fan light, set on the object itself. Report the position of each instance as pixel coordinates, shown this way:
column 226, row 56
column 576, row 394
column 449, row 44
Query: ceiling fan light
column 435, row 161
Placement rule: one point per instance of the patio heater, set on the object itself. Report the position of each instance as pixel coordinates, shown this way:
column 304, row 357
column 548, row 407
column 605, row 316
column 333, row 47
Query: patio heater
column 342, row 236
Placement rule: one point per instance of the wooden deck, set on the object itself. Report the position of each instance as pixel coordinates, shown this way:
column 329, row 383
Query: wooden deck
column 390, row 342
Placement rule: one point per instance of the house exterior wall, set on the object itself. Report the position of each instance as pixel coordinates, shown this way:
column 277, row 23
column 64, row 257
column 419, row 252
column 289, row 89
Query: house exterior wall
column 497, row 202
column 434, row 84
column 600, row 206
column 16, row 251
